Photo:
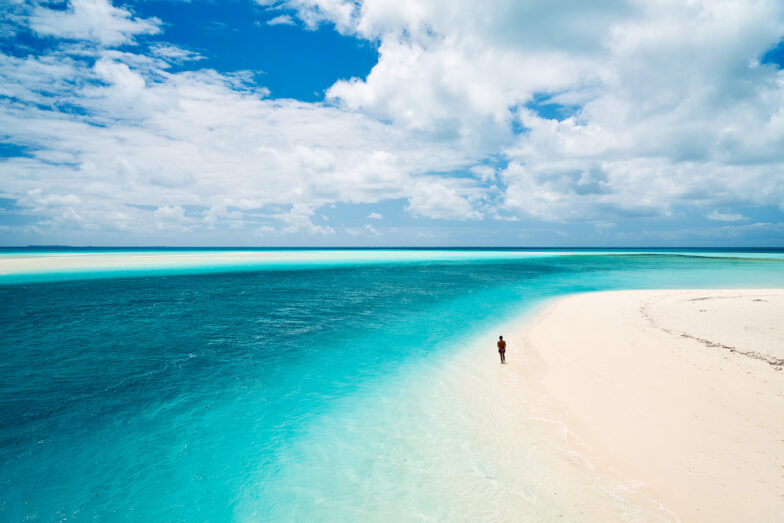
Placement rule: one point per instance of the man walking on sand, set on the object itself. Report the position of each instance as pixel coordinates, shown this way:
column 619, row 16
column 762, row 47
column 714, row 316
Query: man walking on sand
column 502, row 348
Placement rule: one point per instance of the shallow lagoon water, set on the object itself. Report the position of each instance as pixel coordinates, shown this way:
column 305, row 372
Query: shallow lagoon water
column 291, row 391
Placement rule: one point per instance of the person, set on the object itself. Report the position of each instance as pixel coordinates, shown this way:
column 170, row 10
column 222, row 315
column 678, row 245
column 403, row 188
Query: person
column 502, row 348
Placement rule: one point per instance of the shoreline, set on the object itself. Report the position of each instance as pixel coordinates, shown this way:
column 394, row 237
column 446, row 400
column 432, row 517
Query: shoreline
column 59, row 264
column 671, row 395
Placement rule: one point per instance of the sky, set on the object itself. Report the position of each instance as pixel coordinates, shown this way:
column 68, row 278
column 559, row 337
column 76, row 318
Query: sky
column 392, row 123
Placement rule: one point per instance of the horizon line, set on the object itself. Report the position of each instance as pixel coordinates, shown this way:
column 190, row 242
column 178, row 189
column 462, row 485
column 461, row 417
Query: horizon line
column 391, row 247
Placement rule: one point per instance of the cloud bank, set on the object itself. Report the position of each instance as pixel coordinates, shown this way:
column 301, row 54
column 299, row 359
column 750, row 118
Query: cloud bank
column 480, row 113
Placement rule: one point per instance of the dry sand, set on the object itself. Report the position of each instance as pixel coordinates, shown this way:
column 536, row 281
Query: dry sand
column 680, row 393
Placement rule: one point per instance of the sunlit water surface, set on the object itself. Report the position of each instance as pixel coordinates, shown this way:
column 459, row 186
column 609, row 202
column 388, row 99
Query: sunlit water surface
column 294, row 390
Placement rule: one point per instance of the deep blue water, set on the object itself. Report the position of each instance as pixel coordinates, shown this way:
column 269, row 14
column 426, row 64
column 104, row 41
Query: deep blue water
column 172, row 397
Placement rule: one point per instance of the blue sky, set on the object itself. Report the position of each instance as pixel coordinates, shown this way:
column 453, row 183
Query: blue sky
column 235, row 36
column 444, row 123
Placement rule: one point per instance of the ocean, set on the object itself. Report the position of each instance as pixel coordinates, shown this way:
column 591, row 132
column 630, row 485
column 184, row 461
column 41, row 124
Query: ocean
column 296, row 385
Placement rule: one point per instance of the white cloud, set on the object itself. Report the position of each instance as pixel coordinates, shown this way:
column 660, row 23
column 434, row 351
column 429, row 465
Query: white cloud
column 281, row 20
column 434, row 199
column 175, row 54
column 367, row 230
column 672, row 107
column 169, row 217
column 375, row 216
column 94, row 20
column 148, row 138
column 671, row 114
column 725, row 217
column 218, row 214
column 299, row 219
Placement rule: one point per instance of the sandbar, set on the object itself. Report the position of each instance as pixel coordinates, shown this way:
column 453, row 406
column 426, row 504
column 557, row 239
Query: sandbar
column 677, row 392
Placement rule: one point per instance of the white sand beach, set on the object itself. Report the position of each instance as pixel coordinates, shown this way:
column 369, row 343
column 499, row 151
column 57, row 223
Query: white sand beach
column 27, row 263
column 678, row 392
column 41, row 263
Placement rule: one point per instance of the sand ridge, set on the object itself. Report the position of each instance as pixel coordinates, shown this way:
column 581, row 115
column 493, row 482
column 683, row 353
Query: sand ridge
column 751, row 324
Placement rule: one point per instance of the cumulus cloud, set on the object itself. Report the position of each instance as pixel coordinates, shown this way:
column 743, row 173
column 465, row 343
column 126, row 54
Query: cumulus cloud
column 665, row 110
column 300, row 219
column 170, row 217
column 375, row 216
column 95, row 20
column 671, row 105
column 438, row 200
column 220, row 214
column 145, row 138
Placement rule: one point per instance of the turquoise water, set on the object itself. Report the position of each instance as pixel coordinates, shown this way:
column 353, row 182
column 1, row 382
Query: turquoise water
column 279, row 391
